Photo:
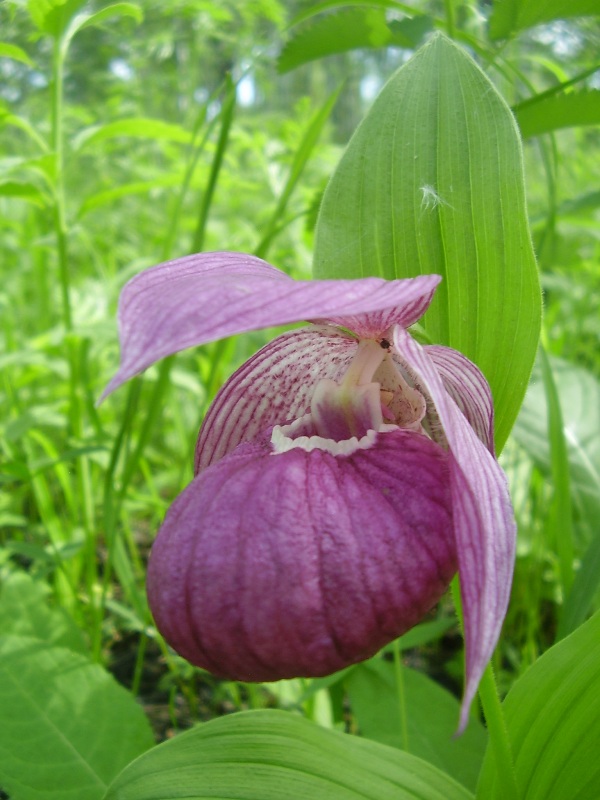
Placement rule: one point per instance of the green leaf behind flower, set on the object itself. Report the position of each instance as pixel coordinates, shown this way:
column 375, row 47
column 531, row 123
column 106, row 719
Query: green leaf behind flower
column 432, row 182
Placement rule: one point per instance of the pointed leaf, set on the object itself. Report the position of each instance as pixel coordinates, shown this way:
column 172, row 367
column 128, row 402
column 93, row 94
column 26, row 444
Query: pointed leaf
column 432, row 181
column 553, row 718
column 275, row 755
column 559, row 111
column 510, row 16
column 137, row 127
column 8, row 50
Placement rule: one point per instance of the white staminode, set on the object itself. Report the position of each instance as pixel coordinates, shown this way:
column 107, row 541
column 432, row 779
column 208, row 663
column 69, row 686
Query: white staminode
column 282, row 439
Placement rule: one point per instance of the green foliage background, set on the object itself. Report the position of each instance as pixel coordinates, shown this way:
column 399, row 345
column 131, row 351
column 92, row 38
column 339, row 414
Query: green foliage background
column 136, row 132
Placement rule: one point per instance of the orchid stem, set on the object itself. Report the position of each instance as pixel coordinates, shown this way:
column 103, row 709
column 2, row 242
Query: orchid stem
column 498, row 733
column 499, row 740
column 399, row 672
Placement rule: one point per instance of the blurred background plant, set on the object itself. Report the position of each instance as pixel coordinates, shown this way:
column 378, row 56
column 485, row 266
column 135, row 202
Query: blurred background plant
column 132, row 133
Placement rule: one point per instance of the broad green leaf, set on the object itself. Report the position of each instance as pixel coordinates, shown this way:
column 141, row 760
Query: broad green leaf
column 24, row 611
column 559, row 111
column 579, row 393
column 430, row 712
column 67, row 728
column 553, row 718
column 276, row 755
column 137, row 127
column 348, row 30
column 432, row 182
column 510, row 16
column 16, row 53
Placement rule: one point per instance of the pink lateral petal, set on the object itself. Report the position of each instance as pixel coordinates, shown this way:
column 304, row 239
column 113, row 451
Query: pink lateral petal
column 273, row 387
column 302, row 563
column 484, row 523
column 467, row 386
column 200, row 298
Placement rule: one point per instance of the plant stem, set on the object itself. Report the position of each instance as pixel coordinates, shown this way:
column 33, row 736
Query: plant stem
column 499, row 741
column 399, row 672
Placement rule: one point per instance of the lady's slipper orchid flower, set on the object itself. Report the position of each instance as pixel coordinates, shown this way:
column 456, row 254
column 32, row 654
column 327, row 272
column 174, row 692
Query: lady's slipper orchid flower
column 343, row 474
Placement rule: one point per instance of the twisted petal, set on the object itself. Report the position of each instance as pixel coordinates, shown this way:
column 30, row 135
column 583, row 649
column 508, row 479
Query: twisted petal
column 204, row 297
column 271, row 388
column 300, row 563
column 484, row 523
column 467, row 386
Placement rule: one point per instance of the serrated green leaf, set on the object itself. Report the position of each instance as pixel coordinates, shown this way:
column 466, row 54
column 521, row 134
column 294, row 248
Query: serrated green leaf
column 275, row 755
column 16, row 53
column 136, row 127
column 432, row 182
column 510, row 16
column 552, row 714
column 349, row 30
column 559, row 111
column 67, row 727
column 24, row 611
column 431, row 714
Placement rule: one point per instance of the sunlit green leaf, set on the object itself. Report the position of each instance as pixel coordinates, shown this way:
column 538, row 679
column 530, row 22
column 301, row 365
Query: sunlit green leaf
column 348, row 30
column 510, row 16
column 24, row 611
column 23, row 191
column 271, row 755
column 138, row 127
column 559, row 111
column 553, row 718
column 109, row 196
column 328, row 5
column 67, row 727
column 16, row 53
column 113, row 11
column 52, row 16
column 431, row 718
column 432, row 182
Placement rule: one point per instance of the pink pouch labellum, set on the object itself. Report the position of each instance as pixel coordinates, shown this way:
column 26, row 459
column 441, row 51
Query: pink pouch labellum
column 300, row 563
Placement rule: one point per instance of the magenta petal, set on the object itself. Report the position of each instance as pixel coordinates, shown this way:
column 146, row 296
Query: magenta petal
column 484, row 523
column 208, row 296
column 272, row 388
column 301, row 563
column 467, row 386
